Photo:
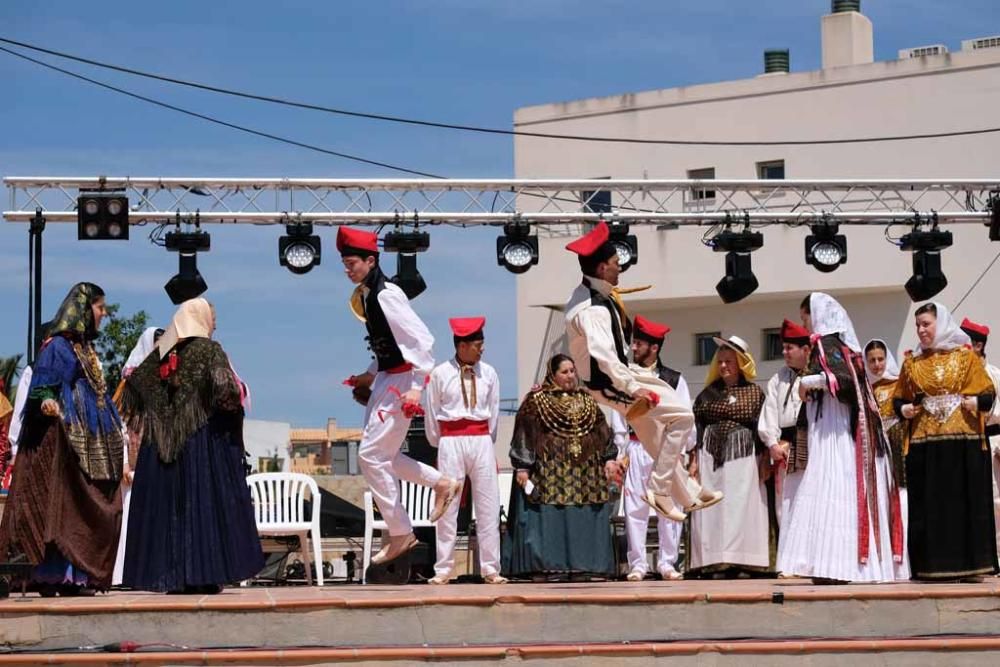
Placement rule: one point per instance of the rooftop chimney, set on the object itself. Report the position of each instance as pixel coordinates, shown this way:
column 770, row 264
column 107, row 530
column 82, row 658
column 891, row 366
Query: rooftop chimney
column 776, row 61
column 847, row 35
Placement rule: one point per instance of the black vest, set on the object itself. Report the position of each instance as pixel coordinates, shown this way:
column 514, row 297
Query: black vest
column 621, row 332
column 669, row 375
column 381, row 342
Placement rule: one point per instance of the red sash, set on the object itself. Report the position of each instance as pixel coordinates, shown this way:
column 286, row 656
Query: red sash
column 464, row 427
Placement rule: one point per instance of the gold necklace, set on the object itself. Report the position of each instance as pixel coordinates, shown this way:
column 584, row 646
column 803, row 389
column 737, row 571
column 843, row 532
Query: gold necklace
column 570, row 415
column 92, row 371
column 939, row 372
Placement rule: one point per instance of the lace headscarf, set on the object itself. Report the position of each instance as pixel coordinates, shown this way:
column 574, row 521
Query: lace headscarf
column 829, row 317
column 949, row 334
column 142, row 349
column 891, row 371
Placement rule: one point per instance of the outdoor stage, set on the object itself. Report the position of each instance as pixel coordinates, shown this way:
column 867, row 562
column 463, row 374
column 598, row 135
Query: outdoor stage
column 694, row 622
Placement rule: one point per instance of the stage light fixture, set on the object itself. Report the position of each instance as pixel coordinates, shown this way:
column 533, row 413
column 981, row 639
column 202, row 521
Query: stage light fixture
column 928, row 279
column 517, row 249
column 825, row 248
column 102, row 215
column 188, row 283
column 406, row 245
column 299, row 249
column 626, row 245
column 994, row 207
column 739, row 281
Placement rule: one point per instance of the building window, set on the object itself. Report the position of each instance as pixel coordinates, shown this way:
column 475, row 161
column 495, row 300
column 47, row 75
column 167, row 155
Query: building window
column 773, row 170
column 698, row 194
column 704, row 347
column 772, row 344
column 596, row 201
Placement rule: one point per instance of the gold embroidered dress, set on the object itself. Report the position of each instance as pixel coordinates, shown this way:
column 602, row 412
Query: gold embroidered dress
column 948, row 467
column 563, row 526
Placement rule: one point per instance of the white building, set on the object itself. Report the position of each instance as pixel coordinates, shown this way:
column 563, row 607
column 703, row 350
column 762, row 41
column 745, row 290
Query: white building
column 852, row 96
column 266, row 441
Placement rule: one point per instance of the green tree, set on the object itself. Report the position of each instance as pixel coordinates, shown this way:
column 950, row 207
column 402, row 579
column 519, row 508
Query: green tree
column 10, row 371
column 118, row 336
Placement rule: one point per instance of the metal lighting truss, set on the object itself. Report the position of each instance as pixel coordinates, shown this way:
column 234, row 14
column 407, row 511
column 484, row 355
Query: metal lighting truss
column 554, row 205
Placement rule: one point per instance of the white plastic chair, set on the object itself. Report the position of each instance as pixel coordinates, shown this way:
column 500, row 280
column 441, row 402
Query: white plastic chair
column 418, row 501
column 279, row 509
column 504, row 480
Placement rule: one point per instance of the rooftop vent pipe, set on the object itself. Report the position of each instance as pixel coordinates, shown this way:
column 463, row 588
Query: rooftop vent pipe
column 776, row 60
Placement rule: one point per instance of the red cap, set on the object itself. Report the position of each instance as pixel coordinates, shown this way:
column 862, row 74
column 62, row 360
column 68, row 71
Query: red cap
column 463, row 327
column 794, row 333
column 591, row 242
column 349, row 239
column 649, row 329
column 975, row 330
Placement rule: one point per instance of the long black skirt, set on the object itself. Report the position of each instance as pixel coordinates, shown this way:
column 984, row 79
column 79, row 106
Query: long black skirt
column 950, row 489
column 557, row 539
column 191, row 522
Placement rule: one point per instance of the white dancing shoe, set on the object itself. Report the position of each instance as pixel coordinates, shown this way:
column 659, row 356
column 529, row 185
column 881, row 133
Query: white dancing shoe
column 439, row 579
column 495, row 578
column 664, row 506
column 705, row 500
column 670, row 574
column 443, row 498
column 635, row 575
column 396, row 547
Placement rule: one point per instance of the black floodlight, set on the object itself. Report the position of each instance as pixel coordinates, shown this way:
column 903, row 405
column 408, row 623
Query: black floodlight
column 928, row 279
column 994, row 208
column 406, row 245
column 188, row 283
column 102, row 216
column 626, row 245
column 739, row 281
column 299, row 249
column 517, row 249
column 825, row 248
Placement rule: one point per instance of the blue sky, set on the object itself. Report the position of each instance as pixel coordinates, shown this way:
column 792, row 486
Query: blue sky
column 463, row 61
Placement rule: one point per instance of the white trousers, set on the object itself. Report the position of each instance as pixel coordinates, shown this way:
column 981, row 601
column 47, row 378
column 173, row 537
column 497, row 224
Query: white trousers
column 637, row 516
column 381, row 462
column 470, row 458
column 663, row 432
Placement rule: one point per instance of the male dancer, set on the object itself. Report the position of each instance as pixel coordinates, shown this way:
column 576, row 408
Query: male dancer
column 980, row 333
column 646, row 345
column 401, row 346
column 463, row 407
column 599, row 333
column 779, row 416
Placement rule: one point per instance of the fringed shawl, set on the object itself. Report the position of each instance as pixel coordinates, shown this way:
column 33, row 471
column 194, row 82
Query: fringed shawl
column 169, row 411
column 727, row 418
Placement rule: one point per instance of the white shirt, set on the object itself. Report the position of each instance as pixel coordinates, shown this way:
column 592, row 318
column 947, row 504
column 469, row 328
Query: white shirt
column 777, row 412
column 23, row 387
column 412, row 336
column 588, row 330
column 620, row 428
column 444, row 398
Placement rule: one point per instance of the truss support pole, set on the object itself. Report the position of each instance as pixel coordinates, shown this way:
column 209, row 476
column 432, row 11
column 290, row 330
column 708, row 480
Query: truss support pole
column 35, row 290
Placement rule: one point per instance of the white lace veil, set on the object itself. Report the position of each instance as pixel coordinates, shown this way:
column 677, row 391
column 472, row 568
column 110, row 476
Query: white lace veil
column 829, row 317
column 891, row 371
column 949, row 334
column 142, row 349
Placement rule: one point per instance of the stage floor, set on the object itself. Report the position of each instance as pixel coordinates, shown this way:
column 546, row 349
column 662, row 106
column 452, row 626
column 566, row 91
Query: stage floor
column 731, row 620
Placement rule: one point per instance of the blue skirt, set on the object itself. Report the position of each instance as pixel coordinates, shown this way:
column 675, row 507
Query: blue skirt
column 191, row 522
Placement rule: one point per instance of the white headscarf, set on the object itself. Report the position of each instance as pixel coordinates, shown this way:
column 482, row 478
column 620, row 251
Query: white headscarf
column 891, row 371
column 829, row 317
column 193, row 319
column 141, row 350
column 949, row 334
